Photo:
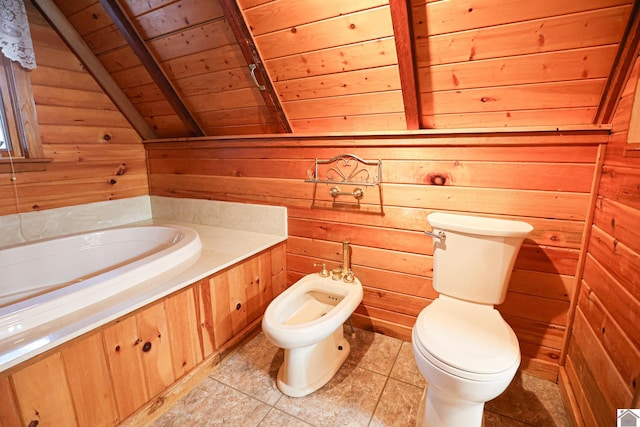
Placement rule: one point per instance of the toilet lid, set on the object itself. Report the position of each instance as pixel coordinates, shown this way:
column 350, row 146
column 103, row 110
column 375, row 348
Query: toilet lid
column 468, row 337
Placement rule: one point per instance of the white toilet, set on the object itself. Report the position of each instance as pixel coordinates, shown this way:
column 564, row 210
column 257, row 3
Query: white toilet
column 306, row 321
column 463, row 347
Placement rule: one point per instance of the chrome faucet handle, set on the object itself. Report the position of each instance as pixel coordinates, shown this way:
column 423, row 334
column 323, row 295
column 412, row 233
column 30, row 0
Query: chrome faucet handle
column 324, row 272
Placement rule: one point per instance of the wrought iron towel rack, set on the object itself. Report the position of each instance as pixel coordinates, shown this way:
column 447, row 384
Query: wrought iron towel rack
column 347, row 169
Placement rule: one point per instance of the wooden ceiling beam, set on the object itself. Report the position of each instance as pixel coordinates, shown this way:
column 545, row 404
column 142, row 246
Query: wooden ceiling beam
column 76, row 43
column 621, row 69
column 250, row 52
column 139, row 47
column 401, row 20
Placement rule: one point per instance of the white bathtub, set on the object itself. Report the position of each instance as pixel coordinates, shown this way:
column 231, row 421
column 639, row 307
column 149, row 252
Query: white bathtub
column 48, row 280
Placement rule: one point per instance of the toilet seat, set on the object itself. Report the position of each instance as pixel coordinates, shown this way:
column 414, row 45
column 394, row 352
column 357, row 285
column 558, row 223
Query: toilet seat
column 468, row 340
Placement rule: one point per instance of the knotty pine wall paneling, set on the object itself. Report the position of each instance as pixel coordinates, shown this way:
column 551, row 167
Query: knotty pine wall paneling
column 194, row 45
column 96, row 154
column 333, row 63
column 602, row 368
column 534, row 63
column 544, row 178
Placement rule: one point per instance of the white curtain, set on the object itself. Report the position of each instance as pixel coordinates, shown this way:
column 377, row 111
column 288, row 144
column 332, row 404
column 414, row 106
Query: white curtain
column 15, row 38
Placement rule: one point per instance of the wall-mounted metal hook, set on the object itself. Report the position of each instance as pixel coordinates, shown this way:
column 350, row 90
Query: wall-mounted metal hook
column 253, row 67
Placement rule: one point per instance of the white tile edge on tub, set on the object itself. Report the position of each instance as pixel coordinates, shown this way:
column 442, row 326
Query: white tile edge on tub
column 30, row 226
column 265, row 219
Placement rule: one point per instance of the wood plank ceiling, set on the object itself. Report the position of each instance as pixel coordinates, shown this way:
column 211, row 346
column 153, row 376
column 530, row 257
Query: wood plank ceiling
column 339, row 65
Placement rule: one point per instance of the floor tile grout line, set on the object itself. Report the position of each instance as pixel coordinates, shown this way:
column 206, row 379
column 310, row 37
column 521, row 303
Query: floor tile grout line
column 373, row 413
column 509, row 417
column 272, row 407
column 386, row 382
column 245, row 393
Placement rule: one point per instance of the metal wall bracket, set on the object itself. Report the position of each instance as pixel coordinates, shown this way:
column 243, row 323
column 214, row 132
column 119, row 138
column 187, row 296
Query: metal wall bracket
column 252, row 67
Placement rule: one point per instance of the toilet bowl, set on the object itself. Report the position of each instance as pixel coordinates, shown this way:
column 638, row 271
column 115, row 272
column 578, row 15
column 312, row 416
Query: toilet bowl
column 462, row 346
column 306, row 321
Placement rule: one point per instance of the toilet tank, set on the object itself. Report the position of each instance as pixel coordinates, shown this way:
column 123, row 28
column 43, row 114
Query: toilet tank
column 474, row 260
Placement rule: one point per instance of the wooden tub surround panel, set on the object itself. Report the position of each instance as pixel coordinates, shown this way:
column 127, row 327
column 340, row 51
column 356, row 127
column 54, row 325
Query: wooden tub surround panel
column 134, row 368
column 543, row 177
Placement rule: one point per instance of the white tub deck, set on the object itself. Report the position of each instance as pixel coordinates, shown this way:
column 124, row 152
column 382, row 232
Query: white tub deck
column 221, row 248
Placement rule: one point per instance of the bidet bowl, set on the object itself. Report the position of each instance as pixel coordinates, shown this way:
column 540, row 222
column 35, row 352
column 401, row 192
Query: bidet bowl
column 310, row 311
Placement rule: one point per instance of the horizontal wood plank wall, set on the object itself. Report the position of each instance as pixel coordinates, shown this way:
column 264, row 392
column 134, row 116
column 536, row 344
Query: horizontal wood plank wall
column 96, row 153
column 536, row 177
column 196, row 49
column 333, row 63
column 99, row 32
column 603, row 361
column 533, row 63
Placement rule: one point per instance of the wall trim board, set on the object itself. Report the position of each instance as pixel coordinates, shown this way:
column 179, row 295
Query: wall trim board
column 569, row 399
column 570, row 135
column 586, row 235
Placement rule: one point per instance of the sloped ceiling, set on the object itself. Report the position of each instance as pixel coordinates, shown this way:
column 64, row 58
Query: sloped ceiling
column 344, row 65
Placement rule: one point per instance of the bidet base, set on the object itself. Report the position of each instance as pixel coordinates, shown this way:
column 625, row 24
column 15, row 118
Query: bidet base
column 306, row 369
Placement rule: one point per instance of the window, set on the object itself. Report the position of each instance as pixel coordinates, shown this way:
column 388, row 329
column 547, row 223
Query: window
column 20, row 144
column 4, row 139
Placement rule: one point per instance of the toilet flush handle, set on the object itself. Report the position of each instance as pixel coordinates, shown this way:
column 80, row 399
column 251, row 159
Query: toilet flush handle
column 439, row 235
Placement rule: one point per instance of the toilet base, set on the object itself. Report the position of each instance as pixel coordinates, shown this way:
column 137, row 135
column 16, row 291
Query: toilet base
column 306, row 369
column 440, row 409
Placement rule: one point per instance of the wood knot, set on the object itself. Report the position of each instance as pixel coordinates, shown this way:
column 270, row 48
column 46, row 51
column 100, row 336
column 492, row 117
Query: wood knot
column 294, row 30
column 106, row 137
column 487, row 99
column 121, row 169
column 352, row 26
column 436, row 179
column 157, row 404
column 541, row 40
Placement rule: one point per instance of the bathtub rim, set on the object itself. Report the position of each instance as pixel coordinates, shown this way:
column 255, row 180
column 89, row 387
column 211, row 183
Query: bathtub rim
column 186, row 241
column 221, row 248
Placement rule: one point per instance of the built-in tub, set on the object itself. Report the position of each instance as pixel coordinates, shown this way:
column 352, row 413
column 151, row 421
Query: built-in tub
column 44, row 282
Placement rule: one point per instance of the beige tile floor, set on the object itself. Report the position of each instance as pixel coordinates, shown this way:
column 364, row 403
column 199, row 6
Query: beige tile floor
column 378, row 385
